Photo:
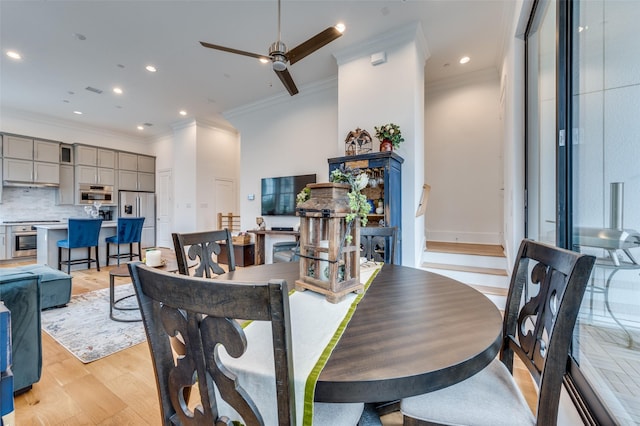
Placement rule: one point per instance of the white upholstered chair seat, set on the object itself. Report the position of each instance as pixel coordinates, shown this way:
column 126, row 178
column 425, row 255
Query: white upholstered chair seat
column 335, row 414
column 490, row 397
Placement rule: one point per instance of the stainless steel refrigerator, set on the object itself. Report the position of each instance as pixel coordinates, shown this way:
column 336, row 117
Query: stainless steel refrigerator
column 140, row 204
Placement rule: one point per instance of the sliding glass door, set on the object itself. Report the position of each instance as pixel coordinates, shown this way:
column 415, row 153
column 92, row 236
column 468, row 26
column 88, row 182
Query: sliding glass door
column 583, row 182
column 606, row 198
column 541, row 123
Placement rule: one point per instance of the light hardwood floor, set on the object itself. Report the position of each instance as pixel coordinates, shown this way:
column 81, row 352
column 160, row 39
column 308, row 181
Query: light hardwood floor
column 116, row 390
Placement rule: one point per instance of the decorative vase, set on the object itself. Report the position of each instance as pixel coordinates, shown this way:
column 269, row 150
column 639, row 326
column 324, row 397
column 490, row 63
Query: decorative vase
column 386, row 145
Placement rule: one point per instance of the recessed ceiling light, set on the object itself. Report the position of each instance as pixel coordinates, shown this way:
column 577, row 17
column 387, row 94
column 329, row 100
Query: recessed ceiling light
column 340, row 27
column 77, row 112
column 140, row 127
column 264, row 60
column 117, row 90
column 14, row 55
column 183, row 112
column 150, row 68
column 464, row 59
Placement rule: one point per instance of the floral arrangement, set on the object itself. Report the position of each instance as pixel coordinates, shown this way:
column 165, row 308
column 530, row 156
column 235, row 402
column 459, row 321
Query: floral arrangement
column 391, row 132
column 358, row 180
column 303, row 195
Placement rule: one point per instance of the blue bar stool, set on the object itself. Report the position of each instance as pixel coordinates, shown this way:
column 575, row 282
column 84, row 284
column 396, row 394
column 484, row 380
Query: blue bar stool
column 129, row 232
column 82, row 233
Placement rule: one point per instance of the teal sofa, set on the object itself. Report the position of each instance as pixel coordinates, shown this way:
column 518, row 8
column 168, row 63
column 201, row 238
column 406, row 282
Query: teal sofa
column 55, row 285
column 25, row 291
column 21, row 295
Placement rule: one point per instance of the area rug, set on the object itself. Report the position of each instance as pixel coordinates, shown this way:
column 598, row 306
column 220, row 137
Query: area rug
column 84, row 328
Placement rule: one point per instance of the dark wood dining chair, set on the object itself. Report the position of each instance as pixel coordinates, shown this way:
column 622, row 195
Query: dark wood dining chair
column 201, row 312
column 379, row 243
column 201, row 247
column 538, row 330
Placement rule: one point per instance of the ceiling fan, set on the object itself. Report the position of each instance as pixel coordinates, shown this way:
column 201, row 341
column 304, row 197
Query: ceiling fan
column 280, row 56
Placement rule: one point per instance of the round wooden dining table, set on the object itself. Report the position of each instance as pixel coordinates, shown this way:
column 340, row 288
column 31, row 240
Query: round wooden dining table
column 413, row 332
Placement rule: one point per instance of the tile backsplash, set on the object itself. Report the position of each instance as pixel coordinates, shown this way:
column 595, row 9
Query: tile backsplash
column 23, row 203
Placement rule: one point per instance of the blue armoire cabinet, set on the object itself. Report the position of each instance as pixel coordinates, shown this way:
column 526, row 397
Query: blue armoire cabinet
column 385, row 185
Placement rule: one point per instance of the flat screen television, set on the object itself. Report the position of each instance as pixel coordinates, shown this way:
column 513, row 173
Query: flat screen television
column 279, row 194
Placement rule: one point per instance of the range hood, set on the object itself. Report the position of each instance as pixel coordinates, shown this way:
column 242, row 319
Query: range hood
column 17, row 183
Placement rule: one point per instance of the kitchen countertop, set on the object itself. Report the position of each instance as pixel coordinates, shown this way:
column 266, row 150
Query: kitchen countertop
column 65, row 225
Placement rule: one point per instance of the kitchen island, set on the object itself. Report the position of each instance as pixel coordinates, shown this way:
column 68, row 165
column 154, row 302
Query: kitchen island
column 50, row 234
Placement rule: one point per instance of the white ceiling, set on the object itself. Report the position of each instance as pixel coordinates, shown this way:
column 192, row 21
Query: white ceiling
column 124, row 36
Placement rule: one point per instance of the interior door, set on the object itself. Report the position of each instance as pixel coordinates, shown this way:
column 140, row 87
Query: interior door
column 164, row 212
column 225, row 196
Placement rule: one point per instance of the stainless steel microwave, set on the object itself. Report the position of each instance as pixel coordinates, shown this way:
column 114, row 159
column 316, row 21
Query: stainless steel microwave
column 88, row 194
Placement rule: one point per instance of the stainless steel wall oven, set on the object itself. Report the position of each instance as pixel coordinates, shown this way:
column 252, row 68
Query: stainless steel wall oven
column 22, row 240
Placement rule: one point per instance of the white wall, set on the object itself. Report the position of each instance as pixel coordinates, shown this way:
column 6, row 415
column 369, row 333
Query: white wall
column 289, row 135
column 512, row 113
column 401, row 102
column 463, row 159
column 184, row 177
column 217, row 157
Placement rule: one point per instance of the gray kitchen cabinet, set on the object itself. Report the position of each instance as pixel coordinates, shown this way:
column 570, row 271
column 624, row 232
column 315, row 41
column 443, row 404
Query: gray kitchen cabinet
column 27, row 171
column 134, row 181
column 95, row 175
column 94, row 156
column 127, row 180
column 146, row 164
column 46, row 151
column 146, row 182
column 19, row 165
column 127, row 161
column 66, row 189
column 17, row 147
column 30, row 149
column 136, row 172
column 46, row 173
column 3, row 242
column 106, row 158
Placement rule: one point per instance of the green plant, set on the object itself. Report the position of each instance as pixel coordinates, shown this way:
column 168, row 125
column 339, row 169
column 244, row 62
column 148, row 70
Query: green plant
column 303, row 195
column 358, row 203
column 391, row 132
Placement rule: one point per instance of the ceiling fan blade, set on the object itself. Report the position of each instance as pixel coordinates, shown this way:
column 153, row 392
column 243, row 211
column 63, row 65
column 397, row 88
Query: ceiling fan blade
column 313, row 44
column 230, row 50
column 287, row 81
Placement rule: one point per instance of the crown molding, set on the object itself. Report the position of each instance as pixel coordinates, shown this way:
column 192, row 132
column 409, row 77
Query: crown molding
column 69, row 125
column 391, row 39
column 305, row 91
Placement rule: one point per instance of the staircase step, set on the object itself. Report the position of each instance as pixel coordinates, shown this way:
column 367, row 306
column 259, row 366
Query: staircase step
column 494, row 291
column 465, row 268
column 478, row 261
column 465, row 248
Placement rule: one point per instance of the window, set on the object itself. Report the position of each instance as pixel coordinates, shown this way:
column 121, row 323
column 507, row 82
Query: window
column 583, row 182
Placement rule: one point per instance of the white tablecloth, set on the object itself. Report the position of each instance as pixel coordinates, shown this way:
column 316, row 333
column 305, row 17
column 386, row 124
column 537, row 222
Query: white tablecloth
column 316, row 326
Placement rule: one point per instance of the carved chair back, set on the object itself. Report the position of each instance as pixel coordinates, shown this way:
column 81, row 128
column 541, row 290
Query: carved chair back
column 539, row 330
column 200, row 312
column 379, row 243
column 201, row 247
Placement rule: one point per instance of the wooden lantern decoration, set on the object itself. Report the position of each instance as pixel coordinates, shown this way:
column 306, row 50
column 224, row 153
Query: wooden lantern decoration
column 329, row 263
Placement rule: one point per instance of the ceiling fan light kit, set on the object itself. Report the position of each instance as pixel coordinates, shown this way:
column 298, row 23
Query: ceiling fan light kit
column 280, row 56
